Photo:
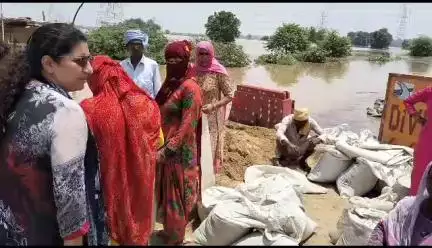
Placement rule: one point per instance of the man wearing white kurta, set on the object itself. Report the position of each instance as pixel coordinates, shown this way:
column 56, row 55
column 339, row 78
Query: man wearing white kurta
column 292, row 138
column 144, row 71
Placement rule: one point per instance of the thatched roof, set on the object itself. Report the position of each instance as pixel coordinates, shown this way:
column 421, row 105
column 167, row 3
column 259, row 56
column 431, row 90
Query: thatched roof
column 21, row 21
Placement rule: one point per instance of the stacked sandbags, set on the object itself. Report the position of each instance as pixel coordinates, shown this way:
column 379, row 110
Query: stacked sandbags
column 269, row 202
column 363, row 214
column 374, row 162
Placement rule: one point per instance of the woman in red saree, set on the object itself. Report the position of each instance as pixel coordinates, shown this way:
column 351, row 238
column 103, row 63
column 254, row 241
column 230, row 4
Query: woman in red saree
column 126, row 123
column 178, row 180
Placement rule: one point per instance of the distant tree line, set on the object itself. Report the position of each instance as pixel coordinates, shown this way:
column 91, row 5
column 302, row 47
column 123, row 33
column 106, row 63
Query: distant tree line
column 380, row 39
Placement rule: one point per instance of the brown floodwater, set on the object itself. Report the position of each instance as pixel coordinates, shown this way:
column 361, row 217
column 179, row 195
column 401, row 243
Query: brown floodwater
column 335, row 93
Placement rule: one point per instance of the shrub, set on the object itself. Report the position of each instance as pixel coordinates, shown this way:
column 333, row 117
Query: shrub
column 421, row 47
column 336, row 45
column 231, row 54
column 276, row 58
column 313, row 55
column 109, row 39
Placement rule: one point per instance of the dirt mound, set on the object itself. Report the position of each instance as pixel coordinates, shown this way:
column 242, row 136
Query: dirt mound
column 246, row 146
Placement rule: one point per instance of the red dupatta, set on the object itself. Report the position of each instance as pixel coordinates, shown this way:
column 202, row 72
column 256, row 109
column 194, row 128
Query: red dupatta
column 126, row 124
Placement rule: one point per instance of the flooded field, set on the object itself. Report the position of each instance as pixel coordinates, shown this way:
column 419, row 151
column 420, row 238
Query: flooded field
column 335, row 93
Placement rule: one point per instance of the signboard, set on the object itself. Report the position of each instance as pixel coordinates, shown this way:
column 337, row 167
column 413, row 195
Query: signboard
column 397, row 126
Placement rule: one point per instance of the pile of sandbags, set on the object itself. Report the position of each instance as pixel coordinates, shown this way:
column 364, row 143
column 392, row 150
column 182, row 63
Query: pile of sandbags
column 361, row 217
column 266, row 210
column 377, row 109
column 357, row 162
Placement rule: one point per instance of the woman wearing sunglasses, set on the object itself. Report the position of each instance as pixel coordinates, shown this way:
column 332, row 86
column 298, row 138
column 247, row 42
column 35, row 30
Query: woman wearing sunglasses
column 217, row 92
column 177, row 182
column 49, row 162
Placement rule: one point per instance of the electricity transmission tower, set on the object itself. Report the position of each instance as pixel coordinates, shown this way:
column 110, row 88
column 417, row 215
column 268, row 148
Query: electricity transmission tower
column 403, row 23
column 323, row 20
column 110, row 13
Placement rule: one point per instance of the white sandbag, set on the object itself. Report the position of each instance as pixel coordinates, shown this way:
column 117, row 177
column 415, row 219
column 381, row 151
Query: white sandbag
column 272, row 190
column 372, row 203
column 208, row 177
column 384, row 202
column 252, row 239
column 383, row 156
column 402, row 186
column 358, row 225
column 330, row 165
column 375, row 146
column 226, row 223
column 214, row 195
column 341, row 132
column 356, row 181
column 299, row 181
column 367, row 138
column 283, row 217
column 386, row 172
column 258, row 239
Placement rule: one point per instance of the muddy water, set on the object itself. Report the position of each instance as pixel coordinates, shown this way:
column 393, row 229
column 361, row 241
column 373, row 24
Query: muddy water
column 335, row 93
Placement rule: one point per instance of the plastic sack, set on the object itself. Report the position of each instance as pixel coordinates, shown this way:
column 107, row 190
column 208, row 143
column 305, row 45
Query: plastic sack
column 356, row 181
column 329, row 166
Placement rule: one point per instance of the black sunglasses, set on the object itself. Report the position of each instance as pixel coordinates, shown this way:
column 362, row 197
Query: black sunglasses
column 81, row 61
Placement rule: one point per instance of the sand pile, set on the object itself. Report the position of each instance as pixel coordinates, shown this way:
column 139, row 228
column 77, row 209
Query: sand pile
column 245, row 146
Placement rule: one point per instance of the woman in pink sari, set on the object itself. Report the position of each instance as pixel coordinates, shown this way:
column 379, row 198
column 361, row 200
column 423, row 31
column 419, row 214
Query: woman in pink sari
column 410, row 222
column 422, row 152
column 217, row 92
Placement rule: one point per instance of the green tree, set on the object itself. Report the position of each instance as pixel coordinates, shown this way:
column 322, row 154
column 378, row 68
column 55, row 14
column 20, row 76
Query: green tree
column 313, row 55
column 336, row 45
column 223, row 26
column 316, row 35
column 406, row 44
column 381, row 39
column 230, row 54
column 360, row 38
column 265, row 38
column 109, row 39
column 289, row 38
column 421, row 47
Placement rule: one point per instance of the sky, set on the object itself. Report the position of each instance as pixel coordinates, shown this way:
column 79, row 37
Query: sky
column 256, row 18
